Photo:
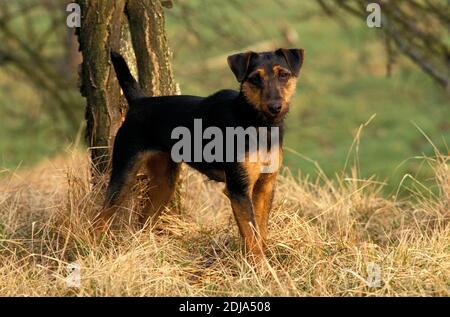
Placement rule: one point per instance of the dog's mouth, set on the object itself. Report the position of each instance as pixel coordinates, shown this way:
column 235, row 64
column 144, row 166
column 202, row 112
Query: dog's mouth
column 274, row 117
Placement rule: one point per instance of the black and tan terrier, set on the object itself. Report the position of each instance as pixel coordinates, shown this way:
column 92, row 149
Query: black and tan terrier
column 267, row 83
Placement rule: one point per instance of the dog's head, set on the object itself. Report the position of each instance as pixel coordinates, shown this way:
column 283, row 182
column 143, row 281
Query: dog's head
column 268, row 79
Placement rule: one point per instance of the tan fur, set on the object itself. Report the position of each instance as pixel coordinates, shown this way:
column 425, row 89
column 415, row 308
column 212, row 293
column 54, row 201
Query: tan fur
column 253, row 95
column 261, row 189
column 261, row 72
column 254, row 169
column 289, row 90
column 262, row 196
column 247, row 228
column 162, row 174
column 276, row 69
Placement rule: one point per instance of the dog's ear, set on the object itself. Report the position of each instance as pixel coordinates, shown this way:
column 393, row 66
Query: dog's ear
column 294, row 58
column 239, row 64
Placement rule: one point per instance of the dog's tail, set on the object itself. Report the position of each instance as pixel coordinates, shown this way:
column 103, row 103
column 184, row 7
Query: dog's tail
column 129, row 85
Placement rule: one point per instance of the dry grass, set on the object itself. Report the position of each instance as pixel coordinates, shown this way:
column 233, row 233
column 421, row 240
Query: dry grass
column 322, row 237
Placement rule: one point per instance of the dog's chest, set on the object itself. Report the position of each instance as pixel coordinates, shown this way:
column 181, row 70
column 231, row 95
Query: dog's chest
column 215, row 174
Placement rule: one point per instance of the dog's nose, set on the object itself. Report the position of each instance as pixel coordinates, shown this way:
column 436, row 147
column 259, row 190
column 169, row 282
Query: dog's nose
column 275, row 108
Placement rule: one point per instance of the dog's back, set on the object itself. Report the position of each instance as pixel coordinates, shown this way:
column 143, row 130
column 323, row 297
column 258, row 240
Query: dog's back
column 157, row 127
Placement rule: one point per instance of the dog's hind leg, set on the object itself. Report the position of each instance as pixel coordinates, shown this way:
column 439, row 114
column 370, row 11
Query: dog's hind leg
column 125, row 166
column 163, row 174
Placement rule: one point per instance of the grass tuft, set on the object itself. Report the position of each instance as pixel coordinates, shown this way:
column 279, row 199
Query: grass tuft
column 325, row 237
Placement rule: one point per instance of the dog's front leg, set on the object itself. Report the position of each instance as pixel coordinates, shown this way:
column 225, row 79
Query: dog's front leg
column 263, row 192
column 242, row 206
column 245, row 218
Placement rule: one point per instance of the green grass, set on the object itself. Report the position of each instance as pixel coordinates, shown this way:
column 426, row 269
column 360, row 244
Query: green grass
column 343, row 84
column 28, row 134
column 30, row 128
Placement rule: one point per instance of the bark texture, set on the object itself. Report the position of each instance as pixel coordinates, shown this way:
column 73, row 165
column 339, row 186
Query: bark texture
column 136, row 29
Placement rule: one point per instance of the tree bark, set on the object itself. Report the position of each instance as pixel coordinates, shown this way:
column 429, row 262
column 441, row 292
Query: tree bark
column 136, row 29
column 153, row 56
column 101, row 22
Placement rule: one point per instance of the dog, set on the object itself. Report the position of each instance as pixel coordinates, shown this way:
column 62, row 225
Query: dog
column 267, row 83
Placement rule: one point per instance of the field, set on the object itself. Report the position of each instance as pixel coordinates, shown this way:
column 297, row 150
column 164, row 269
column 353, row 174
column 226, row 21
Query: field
column 362, row 205
column 325, row 240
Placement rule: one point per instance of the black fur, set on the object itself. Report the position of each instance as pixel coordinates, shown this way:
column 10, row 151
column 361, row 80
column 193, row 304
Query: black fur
column 150, row 121
column 129, row 85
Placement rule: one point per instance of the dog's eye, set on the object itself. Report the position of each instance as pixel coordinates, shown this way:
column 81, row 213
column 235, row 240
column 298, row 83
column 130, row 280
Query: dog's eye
column 255, row 79
column 283, row 75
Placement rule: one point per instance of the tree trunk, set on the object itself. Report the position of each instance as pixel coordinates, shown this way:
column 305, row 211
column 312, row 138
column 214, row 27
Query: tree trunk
column 146, row 20
column 136, row 29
